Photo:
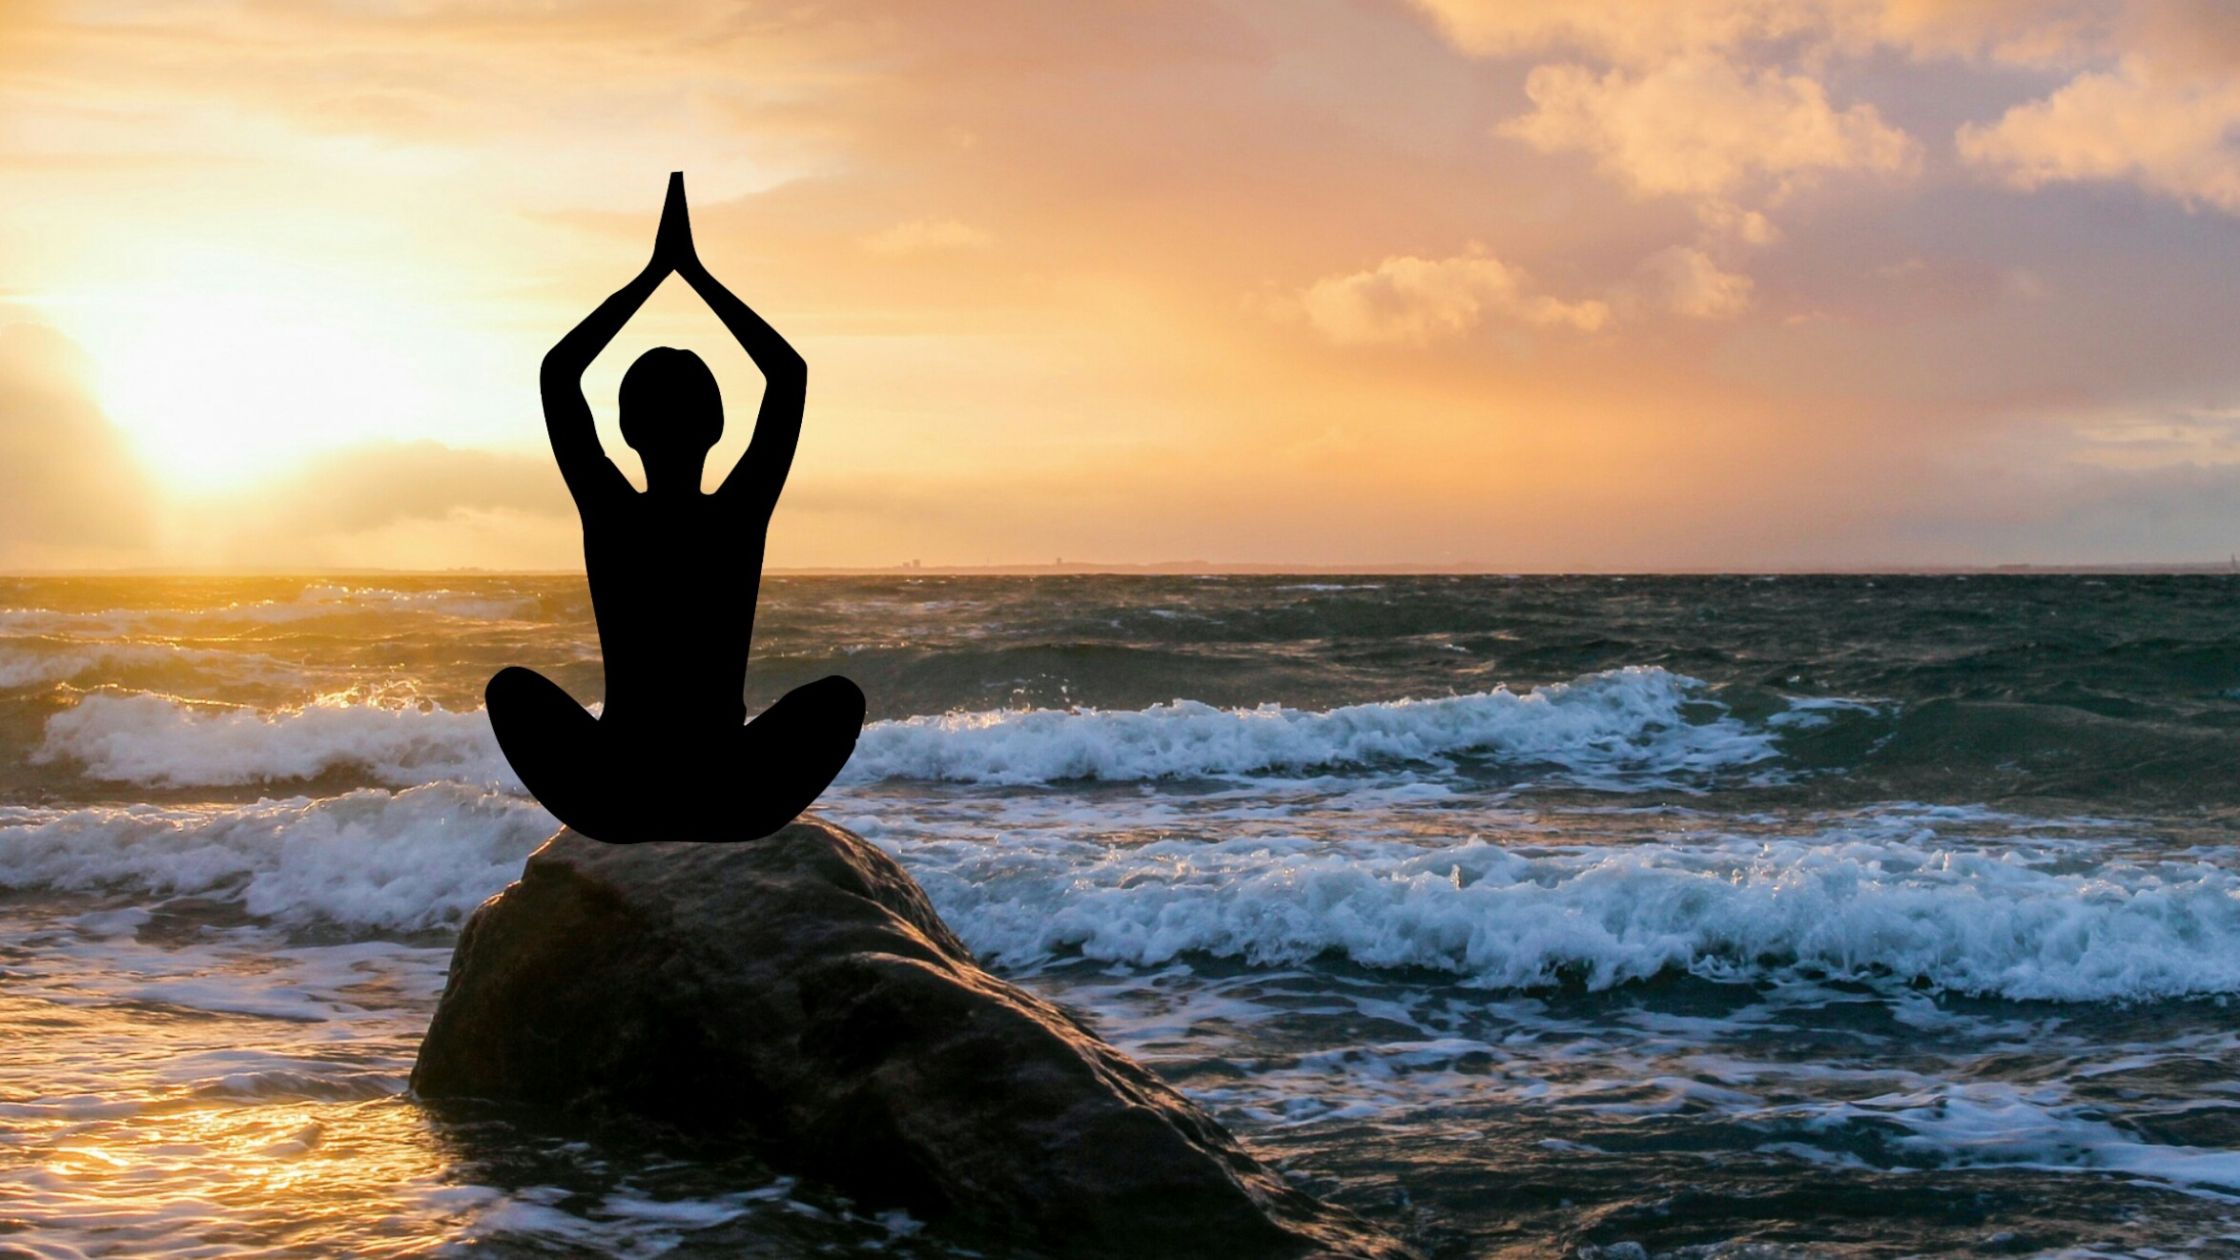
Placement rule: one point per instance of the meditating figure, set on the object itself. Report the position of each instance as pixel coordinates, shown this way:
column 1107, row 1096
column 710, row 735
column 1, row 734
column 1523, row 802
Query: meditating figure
column 673, row 577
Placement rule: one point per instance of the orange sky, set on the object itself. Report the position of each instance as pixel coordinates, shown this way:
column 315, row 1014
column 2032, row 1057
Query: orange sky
column 1741, row 283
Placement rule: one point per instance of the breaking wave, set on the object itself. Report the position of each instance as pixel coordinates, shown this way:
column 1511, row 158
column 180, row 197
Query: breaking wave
column 161, row 741
column 2042, row 921
column 1626, row 728
column 395, row 860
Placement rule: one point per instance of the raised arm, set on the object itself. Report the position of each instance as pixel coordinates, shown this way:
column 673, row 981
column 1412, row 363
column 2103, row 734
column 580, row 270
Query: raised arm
column 760, row 473
column 567, row 417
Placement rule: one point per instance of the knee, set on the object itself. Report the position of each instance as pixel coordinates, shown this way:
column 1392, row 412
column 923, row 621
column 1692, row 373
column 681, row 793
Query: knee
column 509, row 686
column 838, row 700
column 527, row 701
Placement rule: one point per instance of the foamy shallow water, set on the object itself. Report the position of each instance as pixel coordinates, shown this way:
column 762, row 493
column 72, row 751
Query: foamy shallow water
column 1607, row 955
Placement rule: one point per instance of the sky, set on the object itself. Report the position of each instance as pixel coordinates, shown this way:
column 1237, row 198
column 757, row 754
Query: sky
column 1743, row 284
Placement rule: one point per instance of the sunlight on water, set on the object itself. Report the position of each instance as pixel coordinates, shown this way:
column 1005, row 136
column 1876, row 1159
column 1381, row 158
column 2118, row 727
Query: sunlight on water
column 228, row 1091
column 238, row 1096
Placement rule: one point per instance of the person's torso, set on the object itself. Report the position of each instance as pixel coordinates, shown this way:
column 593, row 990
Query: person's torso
column 673, row 585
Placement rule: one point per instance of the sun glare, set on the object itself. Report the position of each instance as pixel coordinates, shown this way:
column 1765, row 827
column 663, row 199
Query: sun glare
column 230, row 368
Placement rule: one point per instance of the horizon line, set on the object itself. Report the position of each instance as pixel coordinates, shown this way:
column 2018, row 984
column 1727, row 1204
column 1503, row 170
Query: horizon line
column 1185, row 568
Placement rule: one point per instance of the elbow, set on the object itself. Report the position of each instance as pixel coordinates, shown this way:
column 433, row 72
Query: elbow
column 556, row 369
column 788, row 369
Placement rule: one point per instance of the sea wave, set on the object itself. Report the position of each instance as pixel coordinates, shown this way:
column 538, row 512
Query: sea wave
column 2039, row 920
column 163, row 741
column 1878, row 900
column 315, row 601
column 41, row 661
column 1625, row 728
column 33, row 662
column 1628, row 727
column 371, row 859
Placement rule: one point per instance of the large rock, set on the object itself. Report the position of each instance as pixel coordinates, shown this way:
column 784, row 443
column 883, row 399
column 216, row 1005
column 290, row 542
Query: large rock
column 799, row 992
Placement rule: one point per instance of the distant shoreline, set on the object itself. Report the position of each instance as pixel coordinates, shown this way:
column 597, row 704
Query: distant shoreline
column 1198, row 568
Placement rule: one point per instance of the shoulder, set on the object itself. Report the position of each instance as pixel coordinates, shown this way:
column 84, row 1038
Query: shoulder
column 597, row 482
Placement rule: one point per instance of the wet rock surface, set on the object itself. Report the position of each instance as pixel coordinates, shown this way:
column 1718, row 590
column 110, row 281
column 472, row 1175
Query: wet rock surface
column 800, row 994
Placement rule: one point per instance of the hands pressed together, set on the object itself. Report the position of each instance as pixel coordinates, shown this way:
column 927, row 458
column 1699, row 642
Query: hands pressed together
column 672, row 242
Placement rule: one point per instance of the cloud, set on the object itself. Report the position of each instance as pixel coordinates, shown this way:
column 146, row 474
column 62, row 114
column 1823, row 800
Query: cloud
column 1631, row 33
column 1685, row 281
column 1410, row 300
column 70, row 489
column 1406, row 300
column 2184, row 36
column 1703, row 128
column 921, row 235
column 1725, row 219
column 390, row 505
column 383, row 483
column 2080, row 513
column 1622, row 31
column 1697, row 85
column 2169, row 134
column 2163, row 437
column 466, row 537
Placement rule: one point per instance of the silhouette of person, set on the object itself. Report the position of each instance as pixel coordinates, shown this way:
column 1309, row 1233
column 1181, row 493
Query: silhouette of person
column 673, row 576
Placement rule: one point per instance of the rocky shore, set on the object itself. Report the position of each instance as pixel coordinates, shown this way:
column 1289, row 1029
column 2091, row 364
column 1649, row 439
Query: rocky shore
column 800, row 995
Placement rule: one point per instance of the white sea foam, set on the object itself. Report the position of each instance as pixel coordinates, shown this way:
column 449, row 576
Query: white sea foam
column 2044, row 921
column 414, row 859
column 2022, row 915
column 2037, row 919
column 1623, row 727
column 1999, row 1123
column 1626, row 728
column 160, row 741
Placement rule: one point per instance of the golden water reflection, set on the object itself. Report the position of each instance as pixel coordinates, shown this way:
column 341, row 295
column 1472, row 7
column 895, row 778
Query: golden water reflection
column 174, row 1089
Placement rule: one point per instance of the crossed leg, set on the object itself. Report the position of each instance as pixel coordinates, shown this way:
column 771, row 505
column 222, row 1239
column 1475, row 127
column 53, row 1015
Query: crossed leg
column 742, row 784
column 789, row 754
column 553, row 744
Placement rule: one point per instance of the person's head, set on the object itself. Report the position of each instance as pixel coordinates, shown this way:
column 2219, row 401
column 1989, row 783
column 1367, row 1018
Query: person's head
column 672, row 413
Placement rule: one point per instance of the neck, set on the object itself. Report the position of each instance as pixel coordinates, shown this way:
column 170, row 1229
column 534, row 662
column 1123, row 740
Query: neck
column 672, row 479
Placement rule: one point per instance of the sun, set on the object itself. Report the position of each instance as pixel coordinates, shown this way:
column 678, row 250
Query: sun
column 232, row 366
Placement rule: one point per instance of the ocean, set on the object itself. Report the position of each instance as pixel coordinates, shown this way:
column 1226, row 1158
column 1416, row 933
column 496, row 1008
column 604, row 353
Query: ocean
column 1597, row 916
